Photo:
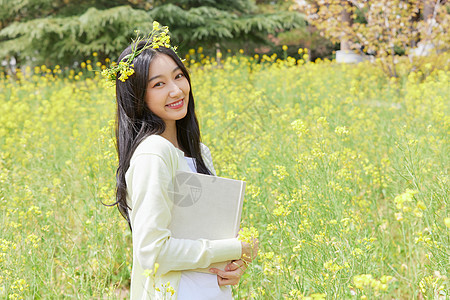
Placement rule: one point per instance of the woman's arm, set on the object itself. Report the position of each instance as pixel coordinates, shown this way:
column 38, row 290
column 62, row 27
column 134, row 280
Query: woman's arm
column 148, row 183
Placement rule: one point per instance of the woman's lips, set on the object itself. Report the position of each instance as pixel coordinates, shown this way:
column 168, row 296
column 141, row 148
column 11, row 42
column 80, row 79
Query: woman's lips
column 177, row 104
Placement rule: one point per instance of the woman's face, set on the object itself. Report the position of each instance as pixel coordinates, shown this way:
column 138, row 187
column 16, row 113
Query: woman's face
column 168, row 89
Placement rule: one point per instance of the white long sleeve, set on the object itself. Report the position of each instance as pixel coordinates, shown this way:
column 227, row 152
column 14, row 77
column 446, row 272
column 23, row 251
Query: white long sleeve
column 148, row 179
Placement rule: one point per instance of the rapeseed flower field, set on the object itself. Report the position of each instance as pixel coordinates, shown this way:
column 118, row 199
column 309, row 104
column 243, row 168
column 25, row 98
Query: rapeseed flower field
column 347, row 178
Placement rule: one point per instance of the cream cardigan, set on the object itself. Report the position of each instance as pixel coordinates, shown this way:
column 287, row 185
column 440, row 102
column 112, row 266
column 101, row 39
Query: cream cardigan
column 152, row 167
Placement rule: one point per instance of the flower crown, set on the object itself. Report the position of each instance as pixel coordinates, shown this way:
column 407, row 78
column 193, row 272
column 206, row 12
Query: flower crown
column 158, row 37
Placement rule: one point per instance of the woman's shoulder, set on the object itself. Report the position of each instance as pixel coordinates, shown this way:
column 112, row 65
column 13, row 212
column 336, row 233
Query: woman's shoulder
column 157, row 145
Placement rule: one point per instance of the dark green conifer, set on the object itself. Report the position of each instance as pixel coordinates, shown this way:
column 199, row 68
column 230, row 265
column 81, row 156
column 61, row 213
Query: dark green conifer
column 65, row 31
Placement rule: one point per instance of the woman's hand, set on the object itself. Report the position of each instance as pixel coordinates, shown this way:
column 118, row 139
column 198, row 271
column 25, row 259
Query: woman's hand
column 249, row 250
column 234, row 270
column 232, row 274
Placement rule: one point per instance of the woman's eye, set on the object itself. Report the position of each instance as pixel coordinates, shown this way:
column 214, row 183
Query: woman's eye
column 158, row 84
column 179, row 76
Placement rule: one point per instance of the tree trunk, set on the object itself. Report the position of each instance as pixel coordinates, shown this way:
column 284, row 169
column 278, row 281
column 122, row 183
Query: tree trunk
column 428, row 9
column 346, row 22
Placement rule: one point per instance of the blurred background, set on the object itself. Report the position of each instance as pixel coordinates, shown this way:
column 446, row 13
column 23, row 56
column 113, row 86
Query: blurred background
column 64, row 32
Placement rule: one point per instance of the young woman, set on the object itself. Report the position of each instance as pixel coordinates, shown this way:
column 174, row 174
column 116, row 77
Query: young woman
column 157, row 134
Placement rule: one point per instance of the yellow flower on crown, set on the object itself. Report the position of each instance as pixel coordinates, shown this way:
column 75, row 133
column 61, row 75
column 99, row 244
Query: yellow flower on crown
column 158, row 37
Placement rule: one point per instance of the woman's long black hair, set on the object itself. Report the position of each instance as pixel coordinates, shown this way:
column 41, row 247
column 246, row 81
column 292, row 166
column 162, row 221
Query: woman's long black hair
column 135, row 121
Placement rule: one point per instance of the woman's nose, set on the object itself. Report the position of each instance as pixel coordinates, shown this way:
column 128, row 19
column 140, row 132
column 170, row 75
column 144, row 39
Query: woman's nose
column 175, row 91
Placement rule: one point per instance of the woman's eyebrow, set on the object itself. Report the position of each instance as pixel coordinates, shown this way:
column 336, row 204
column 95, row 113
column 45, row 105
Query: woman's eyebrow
column 157, row 76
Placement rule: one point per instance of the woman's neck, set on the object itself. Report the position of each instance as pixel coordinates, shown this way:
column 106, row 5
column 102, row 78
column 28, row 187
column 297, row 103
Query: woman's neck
column 170, row 133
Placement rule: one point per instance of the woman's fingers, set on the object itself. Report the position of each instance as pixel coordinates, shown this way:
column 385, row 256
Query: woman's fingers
column 227, row 274
column 227, row 277
column 232, row 273
column 236, row 264
column 223, row 281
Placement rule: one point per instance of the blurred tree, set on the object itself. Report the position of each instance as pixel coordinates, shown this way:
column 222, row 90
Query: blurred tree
column 303, row 37
column 383, row 28
column 223, row 24
column 64, row 31
column 24, row 10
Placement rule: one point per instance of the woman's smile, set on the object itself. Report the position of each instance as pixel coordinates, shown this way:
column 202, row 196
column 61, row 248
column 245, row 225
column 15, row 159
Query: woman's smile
column 177, row 104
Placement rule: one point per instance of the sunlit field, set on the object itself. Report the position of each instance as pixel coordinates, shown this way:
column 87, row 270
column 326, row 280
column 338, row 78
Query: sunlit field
column 347, row 177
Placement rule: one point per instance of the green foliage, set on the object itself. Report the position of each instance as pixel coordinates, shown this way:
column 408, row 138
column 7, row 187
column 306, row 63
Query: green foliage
column 235, row 6
column 64, row 40
column 25, row 10
column 212, row 27
column 47, row 32
column 22, row 10
column 307, row 37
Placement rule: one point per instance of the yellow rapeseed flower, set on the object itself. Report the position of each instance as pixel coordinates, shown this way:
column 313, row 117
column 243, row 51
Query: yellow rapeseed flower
column 447, row 222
